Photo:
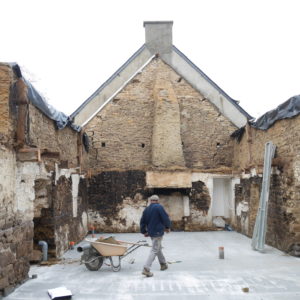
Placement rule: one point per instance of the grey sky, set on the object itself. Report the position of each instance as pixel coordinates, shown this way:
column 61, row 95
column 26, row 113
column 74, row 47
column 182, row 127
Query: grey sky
column 69, row 48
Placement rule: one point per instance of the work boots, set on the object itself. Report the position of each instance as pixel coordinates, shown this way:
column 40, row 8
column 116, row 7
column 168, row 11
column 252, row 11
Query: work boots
column 163, row 267
column 147, row 273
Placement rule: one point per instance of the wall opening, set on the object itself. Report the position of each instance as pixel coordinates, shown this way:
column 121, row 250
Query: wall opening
column 222, row 198
column 43, row 215
column 176, row 204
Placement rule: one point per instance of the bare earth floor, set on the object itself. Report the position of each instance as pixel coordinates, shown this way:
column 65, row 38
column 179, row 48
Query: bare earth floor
column 195, row 272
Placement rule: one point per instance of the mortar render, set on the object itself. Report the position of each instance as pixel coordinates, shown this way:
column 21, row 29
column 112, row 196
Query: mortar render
column 283, row 231
column 166, row 137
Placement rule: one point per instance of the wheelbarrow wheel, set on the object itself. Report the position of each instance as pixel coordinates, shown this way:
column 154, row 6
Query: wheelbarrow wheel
column 94, row 262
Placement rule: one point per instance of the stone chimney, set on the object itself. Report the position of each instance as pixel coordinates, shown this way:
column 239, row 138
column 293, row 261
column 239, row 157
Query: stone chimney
column 158, row 36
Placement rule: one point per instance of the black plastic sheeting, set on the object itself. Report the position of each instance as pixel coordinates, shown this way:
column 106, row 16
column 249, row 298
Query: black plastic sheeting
column 286, row 110
column 41, row 103
column 86, row 142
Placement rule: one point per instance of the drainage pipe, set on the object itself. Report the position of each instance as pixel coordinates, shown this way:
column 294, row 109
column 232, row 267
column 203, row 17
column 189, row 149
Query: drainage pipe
column 44, row 249
column 82, row 248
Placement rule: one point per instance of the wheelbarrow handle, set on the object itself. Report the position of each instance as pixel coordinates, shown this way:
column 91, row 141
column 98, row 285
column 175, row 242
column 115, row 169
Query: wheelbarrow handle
column 129, row 243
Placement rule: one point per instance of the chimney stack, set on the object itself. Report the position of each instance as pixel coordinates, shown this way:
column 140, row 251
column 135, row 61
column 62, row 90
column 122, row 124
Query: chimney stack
column 159, row 36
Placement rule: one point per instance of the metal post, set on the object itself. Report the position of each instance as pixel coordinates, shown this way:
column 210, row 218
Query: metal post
column 260, row 228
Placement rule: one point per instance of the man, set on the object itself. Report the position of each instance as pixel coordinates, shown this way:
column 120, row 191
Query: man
column 153, row 223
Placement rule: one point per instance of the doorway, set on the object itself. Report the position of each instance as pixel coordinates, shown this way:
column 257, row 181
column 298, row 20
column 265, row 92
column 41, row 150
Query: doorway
column 222, row 198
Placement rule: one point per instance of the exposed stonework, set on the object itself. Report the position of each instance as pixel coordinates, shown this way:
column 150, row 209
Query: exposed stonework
column 6, row 122
column 284, row 215
column 57, row 145
column 205, row 132
column 160, row 125
column 117, row 200
column 121, row 133
column 158, row 135
column 16, row 229
column 36, row 178
column 15, row 251
column 279, row 220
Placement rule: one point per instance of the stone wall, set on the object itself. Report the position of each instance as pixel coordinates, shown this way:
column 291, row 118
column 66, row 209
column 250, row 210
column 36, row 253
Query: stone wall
column 16, row 229
column 156, row 123
column 59, row 145
column 284, row 201
column 118, row 198
column 40, row 189
column 205, row 132
column 123, row 132
column 6, row 120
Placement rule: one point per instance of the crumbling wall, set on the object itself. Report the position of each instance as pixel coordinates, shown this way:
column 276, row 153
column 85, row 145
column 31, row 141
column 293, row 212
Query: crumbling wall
column 59, row 145
column 69, row 212
column 284, row 201
column 6, row 107
column 132, row 132
column 200, row 204
column 121, row 133
column 63, row 216
column 36, row 177
column 16, row 229
column 278, row 221
column 117, row 200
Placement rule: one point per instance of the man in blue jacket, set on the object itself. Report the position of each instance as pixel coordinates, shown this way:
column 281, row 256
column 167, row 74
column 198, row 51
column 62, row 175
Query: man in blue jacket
column 153, row 223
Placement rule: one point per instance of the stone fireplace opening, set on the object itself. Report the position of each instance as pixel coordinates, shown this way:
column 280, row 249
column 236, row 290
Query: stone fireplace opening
column 176, row 204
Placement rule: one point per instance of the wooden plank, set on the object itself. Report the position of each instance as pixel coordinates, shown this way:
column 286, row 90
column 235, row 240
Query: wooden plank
column 29, row 154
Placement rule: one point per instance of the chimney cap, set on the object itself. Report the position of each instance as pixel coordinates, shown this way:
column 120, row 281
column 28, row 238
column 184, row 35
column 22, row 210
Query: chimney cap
column 157, row 22
column 158, row 36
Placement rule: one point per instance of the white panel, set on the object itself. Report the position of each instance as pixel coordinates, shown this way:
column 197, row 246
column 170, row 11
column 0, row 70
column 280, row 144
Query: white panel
column 221, row 197
column 75, row 183
column 186, row 206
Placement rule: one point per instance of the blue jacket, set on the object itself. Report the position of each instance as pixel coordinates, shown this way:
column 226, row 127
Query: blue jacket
column 154, row 220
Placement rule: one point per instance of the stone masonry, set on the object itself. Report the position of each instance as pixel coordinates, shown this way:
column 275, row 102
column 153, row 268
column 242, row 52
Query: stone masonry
column 157, row 122
column 284, row 202
column 121, row 133
column 40, row 189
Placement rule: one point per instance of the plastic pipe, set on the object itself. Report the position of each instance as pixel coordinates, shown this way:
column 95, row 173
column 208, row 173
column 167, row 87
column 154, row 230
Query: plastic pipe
column 82, row 248
column 44, row 249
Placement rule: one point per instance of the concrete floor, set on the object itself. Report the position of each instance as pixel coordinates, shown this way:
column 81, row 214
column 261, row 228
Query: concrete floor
column 200, row 274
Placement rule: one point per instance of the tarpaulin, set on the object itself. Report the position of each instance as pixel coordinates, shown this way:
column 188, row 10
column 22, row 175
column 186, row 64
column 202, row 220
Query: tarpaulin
column 286, row 110
column 41, row 103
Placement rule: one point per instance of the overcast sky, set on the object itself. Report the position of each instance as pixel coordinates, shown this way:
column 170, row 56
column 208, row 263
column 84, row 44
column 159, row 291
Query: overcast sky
column 68, row 48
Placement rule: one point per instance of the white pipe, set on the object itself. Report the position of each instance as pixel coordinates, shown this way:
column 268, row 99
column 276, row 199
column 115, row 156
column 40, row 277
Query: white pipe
column 44, row 249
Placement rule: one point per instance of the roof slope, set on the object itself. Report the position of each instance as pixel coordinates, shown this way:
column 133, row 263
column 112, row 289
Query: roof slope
column 179, row 63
